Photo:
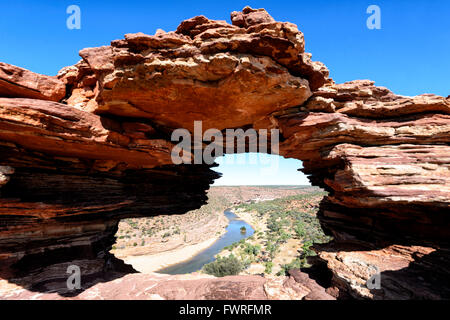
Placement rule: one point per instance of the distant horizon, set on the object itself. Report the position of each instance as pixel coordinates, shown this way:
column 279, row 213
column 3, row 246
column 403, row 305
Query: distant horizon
column 259, row 169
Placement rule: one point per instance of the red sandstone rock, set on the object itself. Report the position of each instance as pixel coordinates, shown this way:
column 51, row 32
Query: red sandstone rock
column 250, row 17
column 69, row 171
column 206, row 67
column 184, row 287
column 406, row 272
column 17, row 82
column 378, row 151
column 62, row 131
column 361, row 98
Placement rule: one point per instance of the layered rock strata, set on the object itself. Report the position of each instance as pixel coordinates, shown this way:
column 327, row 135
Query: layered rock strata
column 91, row 146
column 384, row 159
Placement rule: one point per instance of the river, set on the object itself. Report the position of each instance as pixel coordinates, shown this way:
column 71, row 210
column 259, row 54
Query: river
column 233, row 234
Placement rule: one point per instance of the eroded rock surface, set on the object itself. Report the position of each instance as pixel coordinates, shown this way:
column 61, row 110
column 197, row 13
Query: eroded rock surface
column 18, row 82
column 396, row 167
column 204, row 71
column 91, row 146
column 404, row 272
column 186, row 287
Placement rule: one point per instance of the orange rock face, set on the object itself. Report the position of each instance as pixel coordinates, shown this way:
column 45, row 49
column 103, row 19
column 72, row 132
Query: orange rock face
column 202, row 71
column 84, row 149
column 18, row 82
column 396, row 166
column 404, row 272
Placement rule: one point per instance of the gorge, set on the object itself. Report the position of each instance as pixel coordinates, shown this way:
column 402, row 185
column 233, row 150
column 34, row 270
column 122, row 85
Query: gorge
column 232, row 235
column 90, row 146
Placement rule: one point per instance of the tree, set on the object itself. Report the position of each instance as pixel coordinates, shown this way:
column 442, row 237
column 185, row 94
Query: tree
column 224, row 266
column 300, row 230
column 268, row 265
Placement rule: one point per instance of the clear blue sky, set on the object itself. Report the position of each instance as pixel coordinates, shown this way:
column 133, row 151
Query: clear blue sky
column 409, row 55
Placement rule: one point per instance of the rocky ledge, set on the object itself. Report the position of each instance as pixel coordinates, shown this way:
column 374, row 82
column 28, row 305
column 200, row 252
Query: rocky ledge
column 187, row 287
column 90, row 146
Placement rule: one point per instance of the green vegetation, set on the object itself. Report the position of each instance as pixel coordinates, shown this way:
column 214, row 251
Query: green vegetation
column 283, row 217
column 269, row 266
column 224, row 266
column 300, row 229
column 160, row 228
column 286, row 229
column 251, row 249
column 299, row 262
column 272, row 248
column 292, row 217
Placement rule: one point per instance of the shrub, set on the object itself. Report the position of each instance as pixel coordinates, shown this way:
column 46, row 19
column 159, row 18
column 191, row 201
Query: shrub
column 268, row 265
column 307, row 251
column 272, row 248
column 297, row 263
column 252, row 249
column 273, row 225
column 283, row 236
column 300, row 229
column 224, row 266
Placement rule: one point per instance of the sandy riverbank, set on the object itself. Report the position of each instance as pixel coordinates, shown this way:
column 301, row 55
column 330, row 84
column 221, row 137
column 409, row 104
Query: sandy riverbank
column 175, row 249
column 149, row 263
column 154, row 262
column 251, row 218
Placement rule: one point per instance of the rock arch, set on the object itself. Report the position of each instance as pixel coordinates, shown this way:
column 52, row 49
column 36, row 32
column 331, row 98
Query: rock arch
column 91, row 146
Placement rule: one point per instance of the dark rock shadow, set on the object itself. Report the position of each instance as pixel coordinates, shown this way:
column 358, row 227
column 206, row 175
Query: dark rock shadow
column 426, row 276
column 53, row 278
